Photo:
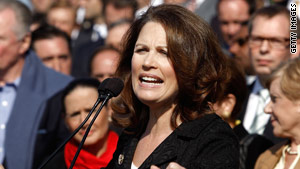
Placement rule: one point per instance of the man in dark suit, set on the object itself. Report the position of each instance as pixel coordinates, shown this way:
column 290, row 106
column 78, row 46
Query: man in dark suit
column 25, row 86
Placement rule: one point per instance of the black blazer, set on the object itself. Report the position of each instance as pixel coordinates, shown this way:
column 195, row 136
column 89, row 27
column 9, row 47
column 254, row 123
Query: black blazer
column 207, row 143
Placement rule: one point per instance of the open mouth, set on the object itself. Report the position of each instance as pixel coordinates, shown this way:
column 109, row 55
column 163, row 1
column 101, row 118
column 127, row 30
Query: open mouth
column 150, row 80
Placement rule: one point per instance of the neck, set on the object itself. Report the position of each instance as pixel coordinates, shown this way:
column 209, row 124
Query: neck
column 262, row 79
column 11, row 73
column 99, row 148
column 160, row 120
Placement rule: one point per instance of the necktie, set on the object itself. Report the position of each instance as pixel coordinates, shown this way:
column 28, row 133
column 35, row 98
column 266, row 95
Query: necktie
column 261, row 118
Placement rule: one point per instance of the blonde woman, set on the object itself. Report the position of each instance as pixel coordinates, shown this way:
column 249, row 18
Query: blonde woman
column 284, row 109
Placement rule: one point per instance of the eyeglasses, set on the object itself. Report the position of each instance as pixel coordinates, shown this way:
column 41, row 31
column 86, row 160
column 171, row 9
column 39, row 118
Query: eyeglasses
column 274, row 42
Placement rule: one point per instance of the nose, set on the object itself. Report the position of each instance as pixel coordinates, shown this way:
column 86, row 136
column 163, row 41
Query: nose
column 149, row 60
column 82, row 116
column 265, row 47
column 56, row 65
column 233, row 29
column 267, row 108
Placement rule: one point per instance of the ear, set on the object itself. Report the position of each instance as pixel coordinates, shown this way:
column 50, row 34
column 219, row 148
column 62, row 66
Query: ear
column 227, row 105
column 295, row 55
column 25, row 44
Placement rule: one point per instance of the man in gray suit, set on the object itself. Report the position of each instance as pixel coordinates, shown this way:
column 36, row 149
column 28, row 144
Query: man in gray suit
column 25, row 86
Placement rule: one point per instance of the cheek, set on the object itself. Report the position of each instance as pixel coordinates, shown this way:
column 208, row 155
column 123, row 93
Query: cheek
column 224, row 29
column 135, row 64
column 102, row 119
column 72, row 125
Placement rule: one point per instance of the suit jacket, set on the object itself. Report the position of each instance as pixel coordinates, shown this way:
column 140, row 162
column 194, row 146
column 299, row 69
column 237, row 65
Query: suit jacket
column 204, row 143
column 271, row 157
column 52, row 130
column 38, row 84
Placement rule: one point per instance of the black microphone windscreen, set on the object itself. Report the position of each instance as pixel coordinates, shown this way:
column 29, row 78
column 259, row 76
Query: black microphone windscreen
column 112, row 85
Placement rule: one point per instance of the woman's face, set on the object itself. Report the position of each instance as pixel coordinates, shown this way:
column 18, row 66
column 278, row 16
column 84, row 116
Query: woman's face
column 285, row 114
column 78, row 104
column 153, row 77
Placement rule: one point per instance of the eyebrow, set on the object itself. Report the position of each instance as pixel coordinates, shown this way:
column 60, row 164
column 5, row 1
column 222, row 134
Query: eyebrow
column 138, row 44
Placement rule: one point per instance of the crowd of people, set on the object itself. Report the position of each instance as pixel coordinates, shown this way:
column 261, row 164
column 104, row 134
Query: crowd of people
column 207, row 84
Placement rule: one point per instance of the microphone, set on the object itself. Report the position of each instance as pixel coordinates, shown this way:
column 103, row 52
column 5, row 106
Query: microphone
column 111, row 87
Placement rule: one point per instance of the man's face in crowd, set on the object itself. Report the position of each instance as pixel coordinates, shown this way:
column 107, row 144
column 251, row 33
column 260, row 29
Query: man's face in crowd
column 232, row 14
column 269, row 43
column 12, row 47
column 54, row 53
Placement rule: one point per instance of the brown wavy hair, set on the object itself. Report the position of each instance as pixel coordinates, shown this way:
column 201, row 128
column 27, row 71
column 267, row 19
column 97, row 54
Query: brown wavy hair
column 197, row 59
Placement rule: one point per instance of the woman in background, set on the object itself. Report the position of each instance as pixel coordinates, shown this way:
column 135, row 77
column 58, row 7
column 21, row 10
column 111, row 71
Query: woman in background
column 78, row 99
column 284, row 109
column 172, row 66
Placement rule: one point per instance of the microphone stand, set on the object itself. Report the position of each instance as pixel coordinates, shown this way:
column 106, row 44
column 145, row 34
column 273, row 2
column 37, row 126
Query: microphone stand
column 88, row 129
column 76, row 131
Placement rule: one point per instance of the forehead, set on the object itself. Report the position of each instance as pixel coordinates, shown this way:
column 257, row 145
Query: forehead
column 65, row 10
column 80, row 92
column 8, row 17
column 277, row 26
column 275, row 85
column 233, row 8
column 57, row 40
column 108, row 54
column 152, row 32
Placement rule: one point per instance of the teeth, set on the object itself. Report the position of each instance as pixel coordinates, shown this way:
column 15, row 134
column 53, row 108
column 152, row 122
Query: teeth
column 149, row 79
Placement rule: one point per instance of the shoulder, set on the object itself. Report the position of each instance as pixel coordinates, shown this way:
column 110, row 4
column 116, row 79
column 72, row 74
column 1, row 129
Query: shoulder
column 55, row 81
column 209, row 138
column 208, row 124
column 270, row 156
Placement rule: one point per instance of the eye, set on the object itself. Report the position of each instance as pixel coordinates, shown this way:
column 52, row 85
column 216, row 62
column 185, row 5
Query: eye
column 224, row 22
column 47, row 59
column 63, row 57
column 74, row 114
column 162, row 51
column 273, row 98
column 140, row 50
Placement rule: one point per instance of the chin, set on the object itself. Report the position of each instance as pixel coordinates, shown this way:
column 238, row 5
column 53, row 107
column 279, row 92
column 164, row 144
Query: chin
column 263, row 73
column 144, row 98
column 90, row 141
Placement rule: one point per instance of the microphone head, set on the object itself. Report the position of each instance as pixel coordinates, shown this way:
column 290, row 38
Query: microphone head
column 114, row 86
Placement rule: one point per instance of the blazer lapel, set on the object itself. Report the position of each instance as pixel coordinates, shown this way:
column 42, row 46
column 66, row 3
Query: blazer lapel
column 166, row 152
